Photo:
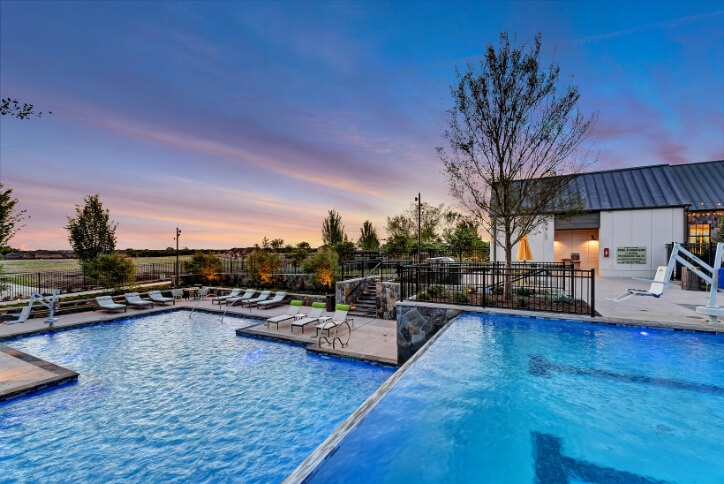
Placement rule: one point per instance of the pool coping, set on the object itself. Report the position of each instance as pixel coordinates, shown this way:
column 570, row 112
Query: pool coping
column 60, row 376
column 326, row 449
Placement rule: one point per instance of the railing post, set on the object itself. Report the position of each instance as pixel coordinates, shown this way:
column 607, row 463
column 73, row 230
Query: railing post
column 593, row 293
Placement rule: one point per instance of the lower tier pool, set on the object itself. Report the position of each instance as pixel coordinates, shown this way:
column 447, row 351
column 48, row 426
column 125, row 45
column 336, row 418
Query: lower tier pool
column 166, row 398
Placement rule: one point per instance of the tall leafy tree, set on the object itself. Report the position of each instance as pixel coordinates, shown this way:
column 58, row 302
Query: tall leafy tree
column 276, row 244
column 332, row 229
column 91, row 232
column 512, row 134
column 11, row 219
column 368, row 237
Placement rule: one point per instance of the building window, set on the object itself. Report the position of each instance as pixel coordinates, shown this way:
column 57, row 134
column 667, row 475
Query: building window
column 699, row 233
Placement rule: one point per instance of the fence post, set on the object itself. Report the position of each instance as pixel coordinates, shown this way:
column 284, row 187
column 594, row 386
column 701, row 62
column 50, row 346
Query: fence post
column 593, row 293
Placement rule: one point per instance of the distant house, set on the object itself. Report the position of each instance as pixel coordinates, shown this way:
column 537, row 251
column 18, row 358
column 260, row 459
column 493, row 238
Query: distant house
column 630, row 215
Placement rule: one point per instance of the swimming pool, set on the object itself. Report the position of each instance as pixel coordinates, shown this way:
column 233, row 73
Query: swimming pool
column 163, row 398
column 516, row 399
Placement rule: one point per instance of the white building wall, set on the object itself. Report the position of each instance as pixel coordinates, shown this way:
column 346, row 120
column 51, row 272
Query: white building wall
column 540, row 241
column 650, row 228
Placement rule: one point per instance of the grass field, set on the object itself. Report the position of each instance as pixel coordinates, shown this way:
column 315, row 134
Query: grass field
column 43, row 265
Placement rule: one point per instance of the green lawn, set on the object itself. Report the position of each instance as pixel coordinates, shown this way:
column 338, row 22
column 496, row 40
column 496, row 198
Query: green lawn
column 42, row 265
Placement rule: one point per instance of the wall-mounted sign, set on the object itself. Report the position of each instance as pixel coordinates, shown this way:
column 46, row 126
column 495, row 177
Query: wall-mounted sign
column 630, row 255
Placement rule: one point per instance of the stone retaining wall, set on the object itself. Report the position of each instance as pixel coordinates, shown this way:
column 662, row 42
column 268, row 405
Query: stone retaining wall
column 347, row 292
column 388, row 293
column 416, row 324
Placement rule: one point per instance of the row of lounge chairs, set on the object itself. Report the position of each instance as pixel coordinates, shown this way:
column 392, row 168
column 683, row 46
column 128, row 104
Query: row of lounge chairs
column 262, row 301
column 133, row 299
column 300, row 320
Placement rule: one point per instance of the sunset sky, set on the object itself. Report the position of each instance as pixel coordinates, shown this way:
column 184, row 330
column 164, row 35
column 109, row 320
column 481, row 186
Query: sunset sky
column 239, row 120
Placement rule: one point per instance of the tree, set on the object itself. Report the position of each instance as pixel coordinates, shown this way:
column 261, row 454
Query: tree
column 10, row 218
column 332, row 229
column 345, row 249
column 277, row 244
column 206, row 266
column 463, row 236
column 300, row 252
column 265, row 243
column 323, row 265
column 112, row 270
column 91, row 232
column 368, row 237
column 511, row 138
column 261, row 266
column 11, row 107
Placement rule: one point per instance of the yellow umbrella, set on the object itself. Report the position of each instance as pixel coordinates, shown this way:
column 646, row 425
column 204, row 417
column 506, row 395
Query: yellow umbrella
column 524, row 252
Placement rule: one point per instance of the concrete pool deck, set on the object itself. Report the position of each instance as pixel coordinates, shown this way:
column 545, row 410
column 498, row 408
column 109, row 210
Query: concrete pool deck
column 372, row 340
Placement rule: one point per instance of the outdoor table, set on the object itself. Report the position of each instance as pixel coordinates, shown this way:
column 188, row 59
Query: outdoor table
column 190, row 292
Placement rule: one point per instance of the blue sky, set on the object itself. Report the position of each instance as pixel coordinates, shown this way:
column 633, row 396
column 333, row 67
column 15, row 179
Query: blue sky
column 236, row 120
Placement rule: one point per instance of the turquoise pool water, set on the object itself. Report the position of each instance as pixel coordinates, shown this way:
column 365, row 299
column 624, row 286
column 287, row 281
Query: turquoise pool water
column 508, row 399
column 166, row 399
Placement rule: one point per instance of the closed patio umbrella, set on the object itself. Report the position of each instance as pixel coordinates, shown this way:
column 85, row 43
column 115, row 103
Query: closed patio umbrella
column 524, row 252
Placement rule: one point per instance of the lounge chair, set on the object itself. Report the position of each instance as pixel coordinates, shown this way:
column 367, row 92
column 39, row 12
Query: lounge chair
column 656, row 289
column 314, row 314
column 247, row 295
column 232, row 294
column 133, row 299
column 253, row 302
column 106, row 303
column 275, row 301
column 331, row 322
column 292, row 312
column 157, row 297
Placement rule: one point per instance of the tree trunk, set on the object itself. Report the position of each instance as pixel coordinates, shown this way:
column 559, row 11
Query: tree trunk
column 508, row 279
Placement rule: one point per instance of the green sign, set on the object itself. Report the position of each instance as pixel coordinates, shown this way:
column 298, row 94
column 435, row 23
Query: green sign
column 630, row 255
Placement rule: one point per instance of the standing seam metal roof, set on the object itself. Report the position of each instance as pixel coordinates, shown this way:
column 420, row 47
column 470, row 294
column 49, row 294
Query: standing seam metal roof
column 701, row 182
column 630, row 188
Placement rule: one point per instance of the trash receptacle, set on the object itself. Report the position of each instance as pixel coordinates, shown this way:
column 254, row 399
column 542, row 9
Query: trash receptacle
column 330, row 302
column 721, row 278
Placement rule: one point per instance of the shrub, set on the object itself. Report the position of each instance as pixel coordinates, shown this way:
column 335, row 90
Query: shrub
column 435, row 290
column 323, row 265
column 261, row 266
column 204, row 266
column 523, row 291
column 460, row 298
column 112, row 270
column 498, row 291
column 522, row 302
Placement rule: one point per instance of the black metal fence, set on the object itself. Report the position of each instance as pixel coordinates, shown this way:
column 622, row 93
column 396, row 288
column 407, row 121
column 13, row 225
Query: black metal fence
column 385, row 269
column 21, row 285
column 704, row 251
column 553, row 287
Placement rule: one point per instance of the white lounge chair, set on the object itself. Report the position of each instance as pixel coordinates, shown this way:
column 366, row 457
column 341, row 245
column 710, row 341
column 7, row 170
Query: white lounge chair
column 656, row 289
column 232, row 294
column 331, row 322
column 261, row 297
column 106, row 303
column 314, row 314
column 292, row 312
column 275, row 301
column 157, row 297
column 133, row 299
column 245, row 297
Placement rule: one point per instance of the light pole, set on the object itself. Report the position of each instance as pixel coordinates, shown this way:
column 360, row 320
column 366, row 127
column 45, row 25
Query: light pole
column 418, row 199
column 178, row 233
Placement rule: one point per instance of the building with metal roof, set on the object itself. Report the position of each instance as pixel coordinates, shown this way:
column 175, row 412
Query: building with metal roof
column 631, row 214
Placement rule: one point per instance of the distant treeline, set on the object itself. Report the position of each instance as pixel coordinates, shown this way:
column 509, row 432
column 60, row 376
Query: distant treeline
column 169, row 251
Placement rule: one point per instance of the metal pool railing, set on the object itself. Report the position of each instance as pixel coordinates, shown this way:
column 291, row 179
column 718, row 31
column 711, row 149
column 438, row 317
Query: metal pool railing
column 552, row 287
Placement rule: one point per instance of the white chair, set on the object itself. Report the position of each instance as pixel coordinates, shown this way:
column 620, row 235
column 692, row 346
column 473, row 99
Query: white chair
column 330, row 322
column 232, row 294
column 133, row 299
column 157, row 297
column 291, row 313
column 106, row 303
column 656, row 289
column 314, row 314
column 275, row 301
